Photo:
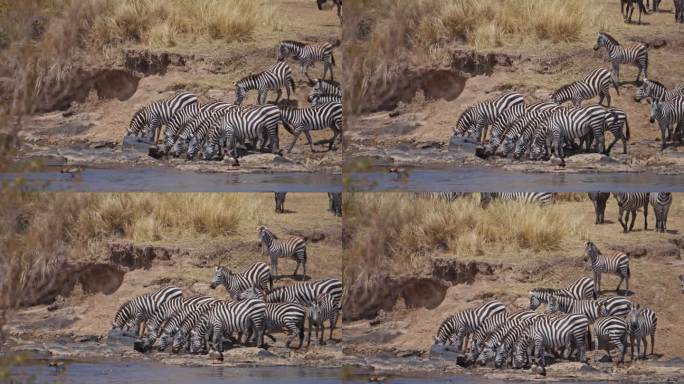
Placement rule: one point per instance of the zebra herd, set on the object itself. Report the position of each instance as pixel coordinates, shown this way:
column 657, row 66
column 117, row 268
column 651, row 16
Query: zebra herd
column 334, row 202
column 541, row 129
column 198, row 323
column 628, row 204
column 193, row 128
column 627, row 9
column 573, row 315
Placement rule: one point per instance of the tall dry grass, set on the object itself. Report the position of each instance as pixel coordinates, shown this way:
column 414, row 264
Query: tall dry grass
column 382, row 36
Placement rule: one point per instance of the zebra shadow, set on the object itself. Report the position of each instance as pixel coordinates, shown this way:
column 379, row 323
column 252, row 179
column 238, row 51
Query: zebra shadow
column 286, row 211
column 672, row 231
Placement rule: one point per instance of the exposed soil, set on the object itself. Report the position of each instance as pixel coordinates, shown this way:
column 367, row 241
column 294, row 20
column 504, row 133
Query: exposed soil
column 411, row 121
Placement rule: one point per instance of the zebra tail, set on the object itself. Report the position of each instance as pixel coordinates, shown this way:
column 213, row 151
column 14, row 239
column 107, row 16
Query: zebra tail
column 627, row 128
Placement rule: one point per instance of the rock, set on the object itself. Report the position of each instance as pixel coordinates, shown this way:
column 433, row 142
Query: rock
column 247, row 353
column 444, row 352
column 88, row 338
column 463, row 144
column 260, row 160
column 57, row 304
column 591, row 159
column 429, row 144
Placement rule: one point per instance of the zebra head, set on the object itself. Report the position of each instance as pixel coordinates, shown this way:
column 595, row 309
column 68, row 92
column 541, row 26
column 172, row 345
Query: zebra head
column 681, row 281
column 193, row 149
column 138, row 122
column 178, row 341
column 240, row 91
column 221, row 277
column 604, row 40
column 633, row 316
column 287, row 48
column 643, row 91
column 507, row 146
column 501, row 355
column 196, row 342
column 315, row 312
column 554, row 305
column 486, row 354
column 537, row 151
column 121, row 318
column 656, row 110
column 265, row 236
column 591, row 252
column 520, row 355
column 164, row 341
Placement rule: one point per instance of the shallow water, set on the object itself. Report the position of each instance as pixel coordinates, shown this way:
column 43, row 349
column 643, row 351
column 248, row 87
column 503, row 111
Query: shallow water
column 471, row 179
column 153, row 179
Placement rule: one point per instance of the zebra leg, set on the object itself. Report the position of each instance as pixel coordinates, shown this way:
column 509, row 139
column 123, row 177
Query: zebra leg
column 616, row 74
column 279, row 94
column 646, row 216
column 308, row 339
column 304, row 268
column 643, row 339
column 617, row 290
column 634, row 215
column 320, row 340
column 308, row 138
column 652, row 342
column 294, row 274
column 296, row 137
column 333, row 324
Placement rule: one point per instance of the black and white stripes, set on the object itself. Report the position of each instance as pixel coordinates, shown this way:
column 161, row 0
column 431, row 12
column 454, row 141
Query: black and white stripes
column 149, row 119
column 274, row 78
column 616, row 263
column 636, row 55
column 293, row 248
column 304, row 120
column 641, row 322
column 309, row 54
column 660, row 201
column 668, row 113
column 629, row 203
column 258, row 275
column 140, row 309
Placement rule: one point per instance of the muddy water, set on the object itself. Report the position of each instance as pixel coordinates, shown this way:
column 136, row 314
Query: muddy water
column 151, row 179
column 475, row 179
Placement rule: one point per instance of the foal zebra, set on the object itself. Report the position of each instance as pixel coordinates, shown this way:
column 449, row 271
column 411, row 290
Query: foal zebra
column 641, row 322
column 258, row 275
column 335, row 203
column 657, row 91
column 629, row 202
column 300, row 120
column 613, row 329
column 599, row 200
column 280, row 202
column 276, row 77
column 308, row 54
column 455, row 328
column 542, row 198
column 660, row 201
column 668, row 112
column 322, row 308
column 616, row 264
column 293, row 248
column 142, row 308
column 636, row 55
column 150, row 118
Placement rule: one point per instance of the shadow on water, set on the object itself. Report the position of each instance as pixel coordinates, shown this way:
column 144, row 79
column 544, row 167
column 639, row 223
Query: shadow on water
column 151, row 179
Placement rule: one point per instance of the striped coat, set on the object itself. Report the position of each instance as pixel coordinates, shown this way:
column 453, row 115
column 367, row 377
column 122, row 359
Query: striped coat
column 258, row 275
column 304, row 120
column 616, row 264
column 668, row 113
column 309, row 54
column 629, row 203
column 274, row 78
column 613, row 329
column 149, row 119
column 455, row 328
column 142, row 308
column 661, row 202
column 636, row 55
column 293, row 248
column 641, row 322
column 542, row 198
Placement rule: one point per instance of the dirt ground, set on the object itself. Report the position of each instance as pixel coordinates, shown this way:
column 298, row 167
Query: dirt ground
column 187, row 263
column 209, row 69
column 450, row 282
column 427, row 113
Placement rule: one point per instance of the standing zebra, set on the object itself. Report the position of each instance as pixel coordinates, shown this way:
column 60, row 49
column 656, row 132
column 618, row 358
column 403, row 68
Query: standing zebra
column 308, row 54
column 338, row 4
column 335, row 203
column 630, row 202
column 542, row 198
column 558, row 332
column 657, row 91
column 616, row 305
column 300, row 120
column 258, row 275
column 681, row 281
column 629, row 9
column 293, row 248
column 582, row 288
column 276, row 77
column 243, row 316
column 592, row 309
column 641, row 322
column 599, row 200
column 668, row 112
column 577, row 123
column 613, row 329
column 280, row 202
column 616, row 119
column 322, row 308
column 636, row 55
column 142, row 308
column 150, row 118
column 616, row 264
column 307, row 292
column 595, row 83
column 660, row 201
column 455, row 328
column 318, row 101
column 279, row 316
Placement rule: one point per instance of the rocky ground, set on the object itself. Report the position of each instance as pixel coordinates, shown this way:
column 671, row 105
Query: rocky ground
column 88, row 125
column 412, row 124
column 77, row 322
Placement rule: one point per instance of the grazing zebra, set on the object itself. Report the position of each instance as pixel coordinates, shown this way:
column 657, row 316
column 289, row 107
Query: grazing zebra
column 668, row 112
column 300, row 120
column 150, row 118
column 629, row 202
column 660, row 201
column 524, row 126
column 641, row 322
column 455, row 328
column 318, row 101
column 322, row 87
column 293, row 248
column 599, row 200
column 338, row 4
column 616, row 264
column 280, row 202
column 595, row 83
column 335, row 203
column 308, row 54
column 477, row 118
column 186, row 116
column 257, row 275
column 279, row 316
column 175, row 323
column 276, row 77
column 322, row 308
column 542, row 198
column 657, row 91
column 636, row 55
column 629, row 9
column 613, row 329
column 566, row 126
column 616, row 305
column 167, row 311
column 142, row 308
column 558, row 332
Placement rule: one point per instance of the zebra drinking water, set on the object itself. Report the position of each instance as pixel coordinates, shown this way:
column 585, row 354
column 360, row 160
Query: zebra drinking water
column 140, row 309
column 455, row 328
column 151, row 117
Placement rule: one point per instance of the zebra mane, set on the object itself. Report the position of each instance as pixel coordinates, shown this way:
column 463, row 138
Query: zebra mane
column 609, row 37
column 658, row 83
column 331, row 82
column 298, row 44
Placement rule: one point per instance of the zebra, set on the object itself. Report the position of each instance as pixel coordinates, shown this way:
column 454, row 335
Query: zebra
column 244, row 316
column 656, row 3
column 257, row 275
column 280, row 202
column 151, row 117
column 629, row 202
column 322, row 87
column 184, row 117
column 488, row 112
column 666, row 113
column 248, row 123
column 322, row 308
column 448, row 197
column 636, row 55
column 307, row 292
column 616, row 305
column 502, row 124
column 577, row 123
column 455, row 328
column 492, row 330
column 308, row 54
column 183, row 333
column 293, row 248
column 174, row 324
column 279, row 316
column 595, row 83
column 541, row 198
column 557, row 332
column 615, row 330
column 485, row 330
column 616, row 264
column 318, row 101
column 504, row 338
column 142, row 308
column 524, row 125
column 592, row 309
column 641, row 322
column 532, row 132
column 199, row 128
column 582, row 288
column 335, row 203
column 300, row 120
column 338, row 4
column 629, row 9
column 615, row 120
column 660, row 201
column 599, row 200
column 657, row 91
column 275, row 77
column 167, row 311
